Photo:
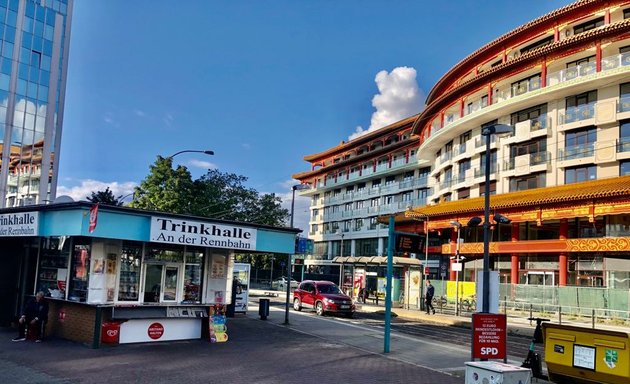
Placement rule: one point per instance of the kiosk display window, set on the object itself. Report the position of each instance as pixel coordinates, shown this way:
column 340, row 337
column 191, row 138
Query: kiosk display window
column 129, row 283
column 80, row 272
column 53, row 266
column 192, row 276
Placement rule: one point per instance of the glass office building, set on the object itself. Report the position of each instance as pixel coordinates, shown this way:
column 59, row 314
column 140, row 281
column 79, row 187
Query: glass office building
column 35, row 36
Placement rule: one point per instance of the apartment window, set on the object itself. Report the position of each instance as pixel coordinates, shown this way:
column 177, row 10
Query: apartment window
column 423, row 194
column 587, row 26
column 484, row 101
column 367, row 247
column 358, row 224
column 534, row 180
column 315, row 198
column 348, row 206
column 525, row 85
column 349, row 189
column 579, row 137
column 314, row 228
column 623, row 144
column 493, row 161
column 464, row 137
column 373, row 223
column 580, row 174
column 624, row 97
column 463, row 194
column 336, row 192
column 538, row 44
column 533, row 113
column 529, row 147
column 315, row 213
column 326, row 227
column 335, row 226
column 464, row 165
column 626, row 13
column 408, row 175
column 360, row 187
column 376, row 183
column 389, row 199
column 624, row 168
column 493, row 188
column 469, row 108
column 390, row 180
column 359, row 204
column 374, row 202
column 347, row 225
column 407, row 196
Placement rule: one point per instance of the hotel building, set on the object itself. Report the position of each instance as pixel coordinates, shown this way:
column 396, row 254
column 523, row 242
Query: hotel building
column 562, row 177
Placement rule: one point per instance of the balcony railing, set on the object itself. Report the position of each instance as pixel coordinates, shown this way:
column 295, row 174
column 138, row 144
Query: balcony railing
column 539, row 158
column 481, row 171
column 624, row 103
column 446, row 156
column 578, row 113
column 481, row 141
column 539, row 123
column 577, row 152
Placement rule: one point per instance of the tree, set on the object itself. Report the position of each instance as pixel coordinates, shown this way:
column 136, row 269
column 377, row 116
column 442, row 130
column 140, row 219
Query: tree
column 165, row 189
column 105, row 197
column 216, row 195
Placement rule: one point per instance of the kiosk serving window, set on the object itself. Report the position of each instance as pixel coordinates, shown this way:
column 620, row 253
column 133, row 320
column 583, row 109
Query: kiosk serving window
column 163, row 267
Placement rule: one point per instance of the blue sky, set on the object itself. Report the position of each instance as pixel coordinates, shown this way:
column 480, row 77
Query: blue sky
column 261, row 83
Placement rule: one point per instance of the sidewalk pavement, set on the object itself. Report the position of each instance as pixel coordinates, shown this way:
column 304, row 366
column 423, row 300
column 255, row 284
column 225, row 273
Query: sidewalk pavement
column 257, row 352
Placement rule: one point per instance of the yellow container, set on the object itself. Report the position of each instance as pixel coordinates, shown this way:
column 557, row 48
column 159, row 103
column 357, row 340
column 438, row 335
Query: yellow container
column 586, row 355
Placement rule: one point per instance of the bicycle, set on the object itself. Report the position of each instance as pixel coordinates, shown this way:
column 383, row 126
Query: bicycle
column 468, row 305
column 439, row 301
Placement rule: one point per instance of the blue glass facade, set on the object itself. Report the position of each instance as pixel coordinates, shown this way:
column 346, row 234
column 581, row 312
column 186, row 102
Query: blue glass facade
column 33, row 66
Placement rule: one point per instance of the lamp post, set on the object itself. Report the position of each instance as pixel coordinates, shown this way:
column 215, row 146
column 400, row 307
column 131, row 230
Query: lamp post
column 209, row 153
column 297, row 187
column 459, row 233
column 495, row 129
column 341, row 258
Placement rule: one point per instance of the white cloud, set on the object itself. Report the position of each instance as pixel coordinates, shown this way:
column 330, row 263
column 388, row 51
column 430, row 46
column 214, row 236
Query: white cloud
column 109, row 119
column 399, row 97
column 139, row 113
column 202, row 164
column 168, row 119
column 86, row 187
column 246, row 146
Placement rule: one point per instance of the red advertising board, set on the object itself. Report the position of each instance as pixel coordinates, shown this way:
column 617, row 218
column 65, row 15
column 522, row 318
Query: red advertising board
column 489, row 336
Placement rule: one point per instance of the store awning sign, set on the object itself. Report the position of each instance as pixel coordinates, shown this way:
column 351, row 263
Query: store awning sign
column 202, row 234
column 19, row 224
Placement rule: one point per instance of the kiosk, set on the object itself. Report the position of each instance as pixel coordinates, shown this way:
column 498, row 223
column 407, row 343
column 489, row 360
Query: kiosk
column 132, row 275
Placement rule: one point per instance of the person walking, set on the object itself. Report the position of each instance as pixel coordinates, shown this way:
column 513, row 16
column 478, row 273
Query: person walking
column 35, row 313
column 429, row 291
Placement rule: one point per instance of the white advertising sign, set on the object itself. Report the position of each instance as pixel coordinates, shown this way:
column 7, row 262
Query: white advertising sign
column 19, row 224
column 203, row 234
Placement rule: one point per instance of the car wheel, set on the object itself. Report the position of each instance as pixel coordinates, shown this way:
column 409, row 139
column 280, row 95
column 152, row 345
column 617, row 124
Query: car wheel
column 296, row 304
column 319, row 308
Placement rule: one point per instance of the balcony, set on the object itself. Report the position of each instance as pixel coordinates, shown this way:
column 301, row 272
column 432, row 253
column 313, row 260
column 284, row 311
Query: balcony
column 578, row 113
column 576, row 152
column 481, row 171
column 624, row 103
column 573, row 73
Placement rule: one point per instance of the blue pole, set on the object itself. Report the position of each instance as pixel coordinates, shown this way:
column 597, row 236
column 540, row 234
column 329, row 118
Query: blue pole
column 388, row 288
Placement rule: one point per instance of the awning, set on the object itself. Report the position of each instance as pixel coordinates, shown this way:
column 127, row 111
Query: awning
column 375, row 260
column 616, row 187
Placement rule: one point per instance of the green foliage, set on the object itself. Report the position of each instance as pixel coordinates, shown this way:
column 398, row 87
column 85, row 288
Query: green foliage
column 216, row 195
column 105, row 197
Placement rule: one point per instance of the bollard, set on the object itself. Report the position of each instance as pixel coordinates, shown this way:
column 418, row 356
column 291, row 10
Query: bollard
column 593, row 317
column 560, row 315
column 263, row 308
column 531, row 310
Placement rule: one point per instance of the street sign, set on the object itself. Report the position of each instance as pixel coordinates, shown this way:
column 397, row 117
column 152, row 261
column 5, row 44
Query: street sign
column 426, row 270
column 489, row 336
column 457, row 267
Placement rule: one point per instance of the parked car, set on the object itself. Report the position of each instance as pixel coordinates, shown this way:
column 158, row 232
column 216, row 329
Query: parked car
column 323, row 297
column 281, row 284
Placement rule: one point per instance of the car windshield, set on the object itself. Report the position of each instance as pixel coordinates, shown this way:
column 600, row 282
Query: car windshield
column 328, row 288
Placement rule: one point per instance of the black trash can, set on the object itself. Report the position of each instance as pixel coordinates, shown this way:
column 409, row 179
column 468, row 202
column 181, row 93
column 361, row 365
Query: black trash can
column 263, row 308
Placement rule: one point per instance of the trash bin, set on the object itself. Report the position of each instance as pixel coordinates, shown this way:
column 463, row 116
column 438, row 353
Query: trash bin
column 110, row 332
column 263, row 308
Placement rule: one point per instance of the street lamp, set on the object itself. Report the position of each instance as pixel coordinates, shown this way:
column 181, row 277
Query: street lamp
column 459, row 233
column 495, row 129
column 210, row 153
column 297, row 187
column 341, row 258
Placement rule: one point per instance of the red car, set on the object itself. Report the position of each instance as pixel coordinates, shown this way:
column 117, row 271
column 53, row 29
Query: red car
column 324, row 297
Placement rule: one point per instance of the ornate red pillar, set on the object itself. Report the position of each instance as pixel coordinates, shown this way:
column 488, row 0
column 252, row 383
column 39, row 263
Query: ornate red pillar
column 453, row 274
column 514, row 258
column 562, row 259
column 543, row 74
column 598, row 56
column 490, row 101
column 461, row 108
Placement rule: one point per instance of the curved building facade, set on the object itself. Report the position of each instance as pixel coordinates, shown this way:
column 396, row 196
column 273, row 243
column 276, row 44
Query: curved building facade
column 562, row 82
